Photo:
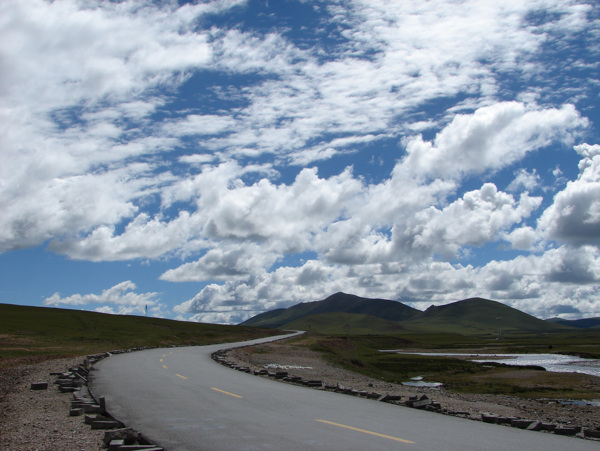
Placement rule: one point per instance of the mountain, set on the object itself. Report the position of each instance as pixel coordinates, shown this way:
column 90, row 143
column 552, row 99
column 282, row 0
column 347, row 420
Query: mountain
column 336, row 303
column 585, row 323
column 475, row 316
column 335, row 323
column 348, row 314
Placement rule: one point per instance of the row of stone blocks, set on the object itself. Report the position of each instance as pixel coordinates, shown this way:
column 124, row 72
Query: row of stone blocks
column 422, row 402
column 533, row 425
column 117, row 437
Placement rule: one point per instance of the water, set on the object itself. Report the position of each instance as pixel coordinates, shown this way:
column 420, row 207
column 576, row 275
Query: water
column 419, row 382
column 551, row 362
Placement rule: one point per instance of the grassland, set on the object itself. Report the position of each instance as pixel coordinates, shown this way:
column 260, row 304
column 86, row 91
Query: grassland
column 361, row 354
column 31, row 334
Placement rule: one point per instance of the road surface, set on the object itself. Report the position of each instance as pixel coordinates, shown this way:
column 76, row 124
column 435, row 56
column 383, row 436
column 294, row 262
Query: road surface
column 181, row 399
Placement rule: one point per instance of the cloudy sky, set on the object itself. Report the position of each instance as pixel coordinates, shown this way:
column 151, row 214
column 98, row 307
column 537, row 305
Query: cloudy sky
column 212, row 160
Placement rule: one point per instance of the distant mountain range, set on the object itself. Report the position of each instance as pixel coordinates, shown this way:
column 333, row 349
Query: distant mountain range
column 343, row 313
column 585, row 323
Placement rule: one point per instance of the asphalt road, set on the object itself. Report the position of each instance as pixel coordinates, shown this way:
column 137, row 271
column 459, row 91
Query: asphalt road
column 182, row 400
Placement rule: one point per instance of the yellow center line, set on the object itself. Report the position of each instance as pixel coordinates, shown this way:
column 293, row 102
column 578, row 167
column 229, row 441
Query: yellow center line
column 226, row 392
column 365, row 432
column 179, row 375
column 165, row 367
column 161, row 360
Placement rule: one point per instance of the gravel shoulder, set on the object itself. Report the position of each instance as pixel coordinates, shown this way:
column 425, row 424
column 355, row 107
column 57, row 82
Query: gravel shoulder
column 310, row 365
column 39, row 419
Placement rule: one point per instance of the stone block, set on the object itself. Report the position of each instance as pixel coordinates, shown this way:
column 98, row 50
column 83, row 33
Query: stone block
column 89, row 419
column 106, row 424
column 92, row 408
column 115, row 444
column 140, row 447
column 520, row 423
column 39, row 386
column 591, row 433
column 489, row 418
column 535, row 426
column 505, row 420
column 566, row 430
column 421, row 404
column 128, row 435
column 67, row 389
column 76, row 412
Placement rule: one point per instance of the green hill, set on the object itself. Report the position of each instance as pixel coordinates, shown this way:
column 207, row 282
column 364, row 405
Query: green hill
column 41, row 332
column 348, row 314
column 336, row 323
column 585, row 323
column 336, row 303
column 477, row 316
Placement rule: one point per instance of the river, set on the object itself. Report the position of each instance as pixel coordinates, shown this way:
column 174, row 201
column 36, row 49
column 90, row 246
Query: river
column 551, row 362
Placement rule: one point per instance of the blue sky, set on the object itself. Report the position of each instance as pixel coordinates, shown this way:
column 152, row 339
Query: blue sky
column 213, row 160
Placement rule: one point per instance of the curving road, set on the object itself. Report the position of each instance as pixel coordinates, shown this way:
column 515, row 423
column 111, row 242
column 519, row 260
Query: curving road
column 183, row 400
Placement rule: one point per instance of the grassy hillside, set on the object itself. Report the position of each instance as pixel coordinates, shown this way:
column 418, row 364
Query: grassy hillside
column 477, row 316
column 344, row 314
column 344, row 324
column 336, row 303
column 36, row 333
column 586, row 323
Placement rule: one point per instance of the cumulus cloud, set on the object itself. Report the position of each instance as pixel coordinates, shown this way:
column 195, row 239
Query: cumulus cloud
column 491, row 138
column 524, row 180
column 121, row 296
column 136, row 130
column 230, row 262
column 574, row 217
column 471, row 221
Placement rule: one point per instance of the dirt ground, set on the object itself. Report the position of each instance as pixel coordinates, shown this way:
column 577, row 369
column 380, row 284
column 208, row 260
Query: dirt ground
column 39, row 419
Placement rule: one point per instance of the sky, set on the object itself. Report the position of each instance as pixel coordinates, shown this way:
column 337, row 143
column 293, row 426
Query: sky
column 208, row 161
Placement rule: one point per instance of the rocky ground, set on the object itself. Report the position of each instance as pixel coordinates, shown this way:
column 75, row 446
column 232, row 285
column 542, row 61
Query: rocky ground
column 310, row 365
column 39, row 419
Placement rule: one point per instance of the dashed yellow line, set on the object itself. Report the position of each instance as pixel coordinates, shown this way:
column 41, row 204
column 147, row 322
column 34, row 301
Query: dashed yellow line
column 165, row 367
column 365, row 431
column 179, row 375
column 226, row 392
column 161, row 360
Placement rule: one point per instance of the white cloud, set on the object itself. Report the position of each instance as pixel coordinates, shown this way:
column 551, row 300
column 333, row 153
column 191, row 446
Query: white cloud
column 104, row 158
column 524, row 180
column 574, row 217
column 121, row 296
column 229, row 262
column 491, row 138
column 523, row 238
column 474, row 220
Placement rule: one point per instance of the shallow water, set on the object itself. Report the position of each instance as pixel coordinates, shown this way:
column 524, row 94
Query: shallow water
column 551, row 362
